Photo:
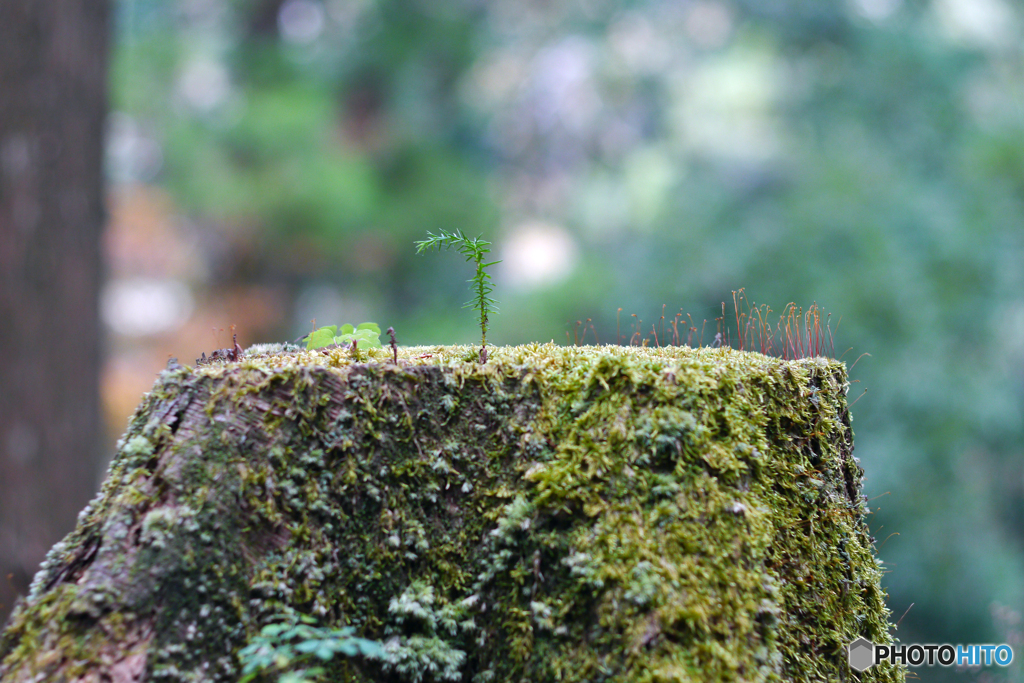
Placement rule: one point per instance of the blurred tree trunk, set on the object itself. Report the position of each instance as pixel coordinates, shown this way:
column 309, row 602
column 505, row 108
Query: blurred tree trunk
column 53, row 64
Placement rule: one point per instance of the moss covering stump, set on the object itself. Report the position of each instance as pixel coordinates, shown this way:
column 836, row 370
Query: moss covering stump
column 556, row 514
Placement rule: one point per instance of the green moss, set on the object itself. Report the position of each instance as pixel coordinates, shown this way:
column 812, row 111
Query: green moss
column 570, row 514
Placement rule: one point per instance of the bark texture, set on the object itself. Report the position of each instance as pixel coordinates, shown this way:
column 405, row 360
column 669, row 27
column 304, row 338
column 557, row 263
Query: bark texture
column 596, row 514
column 52, row 106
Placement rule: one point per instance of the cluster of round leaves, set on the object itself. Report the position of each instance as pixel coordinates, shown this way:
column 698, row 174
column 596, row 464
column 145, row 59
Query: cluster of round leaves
column 290, row 646
column 365, row 335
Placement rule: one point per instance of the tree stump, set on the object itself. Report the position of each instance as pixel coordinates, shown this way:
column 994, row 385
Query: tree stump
column 556, row 514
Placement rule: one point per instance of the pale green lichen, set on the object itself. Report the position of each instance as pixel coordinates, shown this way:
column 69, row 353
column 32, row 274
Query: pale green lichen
column 559, row 513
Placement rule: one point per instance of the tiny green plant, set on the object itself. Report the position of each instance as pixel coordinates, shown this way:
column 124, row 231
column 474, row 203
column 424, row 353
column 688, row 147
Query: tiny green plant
column 293, row 648
column 474, row 250
column 366, row 335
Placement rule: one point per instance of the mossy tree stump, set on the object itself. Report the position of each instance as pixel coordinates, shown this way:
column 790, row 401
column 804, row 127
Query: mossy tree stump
column 556, row 514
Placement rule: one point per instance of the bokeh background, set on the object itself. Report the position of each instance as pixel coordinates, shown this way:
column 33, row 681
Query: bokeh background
column 268, row 162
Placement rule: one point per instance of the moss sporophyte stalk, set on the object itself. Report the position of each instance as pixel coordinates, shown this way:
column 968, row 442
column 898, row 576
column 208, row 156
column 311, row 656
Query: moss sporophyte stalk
column 569, row 514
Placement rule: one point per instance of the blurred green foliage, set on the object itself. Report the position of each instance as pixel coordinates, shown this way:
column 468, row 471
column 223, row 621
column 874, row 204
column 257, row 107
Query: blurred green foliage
column 866, row 155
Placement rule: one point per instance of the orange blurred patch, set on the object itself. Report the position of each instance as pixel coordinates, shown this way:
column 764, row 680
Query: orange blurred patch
column 147, row 238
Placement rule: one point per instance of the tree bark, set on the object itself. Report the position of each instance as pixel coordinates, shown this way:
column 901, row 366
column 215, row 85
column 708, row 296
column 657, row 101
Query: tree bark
column 53, row 64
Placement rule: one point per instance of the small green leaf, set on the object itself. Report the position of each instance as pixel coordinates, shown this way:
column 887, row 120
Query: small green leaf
column 308, row 646
column 369, row 326
column 300, row 676
column 369, row 648
column 322, row 337
column 292, row 632
column 367, row 338
column 271, row 630
column 347, row 329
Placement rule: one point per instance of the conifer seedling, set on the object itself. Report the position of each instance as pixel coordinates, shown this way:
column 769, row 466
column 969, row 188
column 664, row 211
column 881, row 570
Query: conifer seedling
column 474, row 250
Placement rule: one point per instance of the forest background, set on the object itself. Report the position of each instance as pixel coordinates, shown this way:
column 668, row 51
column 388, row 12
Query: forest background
column 272, row 161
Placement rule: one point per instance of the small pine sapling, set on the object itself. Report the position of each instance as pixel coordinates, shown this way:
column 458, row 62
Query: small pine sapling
column 474, row 250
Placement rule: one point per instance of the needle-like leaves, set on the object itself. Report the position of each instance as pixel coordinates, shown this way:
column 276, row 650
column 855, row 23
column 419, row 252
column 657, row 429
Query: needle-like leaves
column 474, row 250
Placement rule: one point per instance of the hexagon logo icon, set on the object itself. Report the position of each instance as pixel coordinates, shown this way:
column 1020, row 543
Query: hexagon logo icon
column 861, row 654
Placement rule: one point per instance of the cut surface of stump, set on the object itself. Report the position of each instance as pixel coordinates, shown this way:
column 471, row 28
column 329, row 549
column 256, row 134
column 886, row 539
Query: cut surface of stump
column 556, row 514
